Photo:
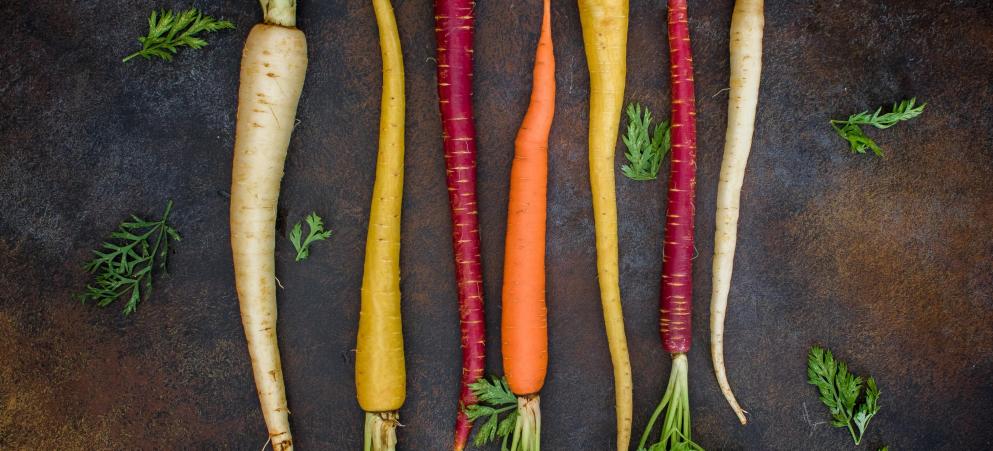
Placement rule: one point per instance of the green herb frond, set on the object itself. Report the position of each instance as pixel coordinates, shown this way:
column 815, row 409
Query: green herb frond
column 124, row 266
column 168, row 32
column 645, row 146
column 495, row 398
column 840, row 391
column 316, row 232
column 858, row 141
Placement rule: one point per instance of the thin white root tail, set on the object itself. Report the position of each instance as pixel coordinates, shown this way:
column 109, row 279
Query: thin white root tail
column 717, row 354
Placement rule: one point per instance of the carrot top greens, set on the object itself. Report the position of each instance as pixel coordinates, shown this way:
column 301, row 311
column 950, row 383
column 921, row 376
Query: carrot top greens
column 646, row 146
column 316, row 232
column 495, row 398
column 840, row 391
column 124, row 265
column 858, row 141
column 168, row 31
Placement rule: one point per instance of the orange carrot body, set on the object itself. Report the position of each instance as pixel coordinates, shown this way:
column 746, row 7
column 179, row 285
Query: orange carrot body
column 524, row 326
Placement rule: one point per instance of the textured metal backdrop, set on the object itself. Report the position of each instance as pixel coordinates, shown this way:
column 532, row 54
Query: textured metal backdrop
column 886, row 261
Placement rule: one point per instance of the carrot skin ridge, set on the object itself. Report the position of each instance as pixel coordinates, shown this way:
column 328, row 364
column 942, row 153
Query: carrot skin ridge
column 604, row 25
column 380, row 370
column 454, row 26
column 676, row 298
column 524, row 327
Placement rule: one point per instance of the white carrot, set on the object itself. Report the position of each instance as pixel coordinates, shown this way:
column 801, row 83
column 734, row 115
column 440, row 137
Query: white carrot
column 746, row 66
column 272, row 71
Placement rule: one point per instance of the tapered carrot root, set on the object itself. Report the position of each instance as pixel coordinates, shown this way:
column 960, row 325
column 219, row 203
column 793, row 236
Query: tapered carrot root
column 524, row 326
column 605, row 25
column 746, row 67
column 677, row 254
column 454, row 22
column 272, row 72
column 380, row 371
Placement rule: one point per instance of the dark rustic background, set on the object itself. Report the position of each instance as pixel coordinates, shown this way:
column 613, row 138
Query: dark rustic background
column 886, row 261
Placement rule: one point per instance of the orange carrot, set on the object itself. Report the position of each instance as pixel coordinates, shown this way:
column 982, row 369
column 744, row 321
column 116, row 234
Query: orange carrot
column 524, row 328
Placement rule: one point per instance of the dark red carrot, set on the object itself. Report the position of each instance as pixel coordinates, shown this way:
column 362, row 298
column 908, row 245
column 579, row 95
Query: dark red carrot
column 677, row 259
column 677, row 254
column 454, row 30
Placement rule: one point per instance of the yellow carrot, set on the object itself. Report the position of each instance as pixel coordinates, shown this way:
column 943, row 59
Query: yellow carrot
column 273, row 65
column 605, row 26
column 380, row 374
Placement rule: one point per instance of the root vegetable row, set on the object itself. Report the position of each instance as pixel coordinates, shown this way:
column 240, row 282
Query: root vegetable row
column 273, row 66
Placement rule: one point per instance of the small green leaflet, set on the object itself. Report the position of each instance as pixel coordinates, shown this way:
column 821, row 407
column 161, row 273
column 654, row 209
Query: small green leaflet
column 858, row 141
column 315, row 232
column 840, row 391
column 168, row 31
column 124, row 265
column 495, row 398
column 645, row 148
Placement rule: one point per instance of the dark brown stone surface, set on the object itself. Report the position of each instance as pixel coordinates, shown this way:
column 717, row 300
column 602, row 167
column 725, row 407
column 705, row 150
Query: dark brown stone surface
column 886, row 261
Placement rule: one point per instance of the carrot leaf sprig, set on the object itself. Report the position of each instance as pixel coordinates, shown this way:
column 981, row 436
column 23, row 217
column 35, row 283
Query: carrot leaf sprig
column 124, row 265
column 316, row 232
column 840, row 391
column 645, row 146
column 495, row 398
column 850, row 129
column 168, row 31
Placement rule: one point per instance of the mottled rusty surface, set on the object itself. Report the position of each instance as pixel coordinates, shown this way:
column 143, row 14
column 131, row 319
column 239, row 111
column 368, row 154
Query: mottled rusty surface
column 887, row 261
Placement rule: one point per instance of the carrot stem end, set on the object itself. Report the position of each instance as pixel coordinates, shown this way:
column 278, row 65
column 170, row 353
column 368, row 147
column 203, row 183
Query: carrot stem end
column 380, row 431
column 527, row 431
column 675, row 404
